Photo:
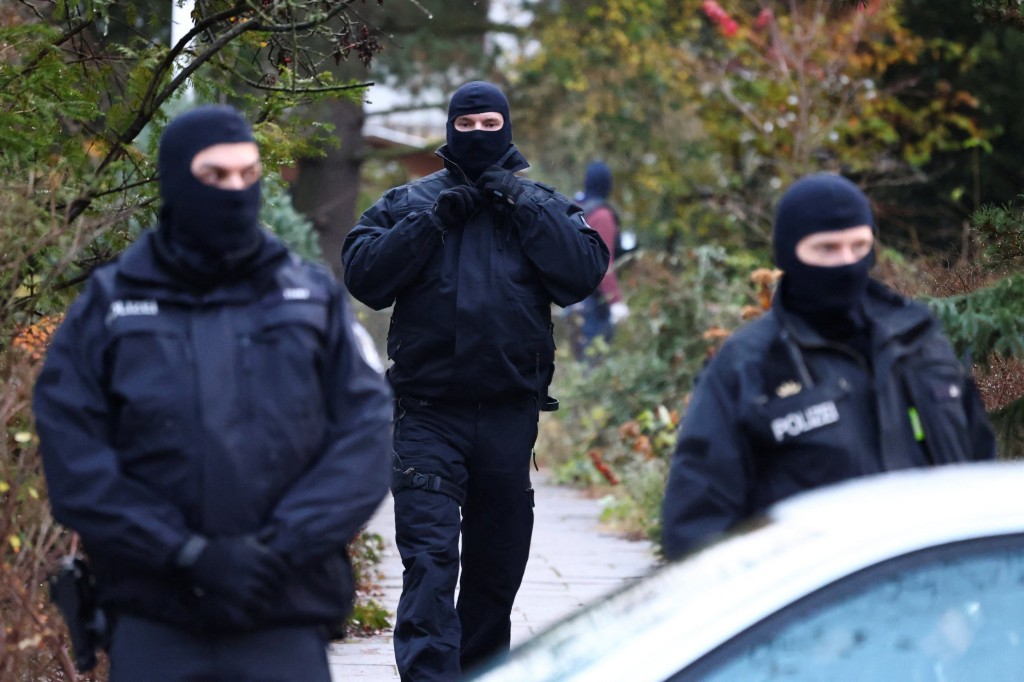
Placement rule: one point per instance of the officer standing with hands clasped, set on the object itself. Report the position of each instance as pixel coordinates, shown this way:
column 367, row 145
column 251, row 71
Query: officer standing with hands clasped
column 842, row 377
column 215, row 426
column 472, row 257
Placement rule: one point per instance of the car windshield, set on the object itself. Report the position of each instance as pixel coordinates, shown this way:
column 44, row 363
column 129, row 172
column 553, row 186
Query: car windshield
column 947, row 613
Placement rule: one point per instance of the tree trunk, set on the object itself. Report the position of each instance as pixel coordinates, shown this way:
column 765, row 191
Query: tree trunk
column 326, row 188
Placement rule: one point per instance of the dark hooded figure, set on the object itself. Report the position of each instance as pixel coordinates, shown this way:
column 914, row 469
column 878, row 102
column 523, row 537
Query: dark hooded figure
column 213, row 424
column 604, row 308
column 471, row 259
column 841, row 378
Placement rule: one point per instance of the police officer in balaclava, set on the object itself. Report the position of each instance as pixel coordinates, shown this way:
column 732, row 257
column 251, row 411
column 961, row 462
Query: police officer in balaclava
column 843, row 377
column 214, row 430
column 471, row 258
column 826, row 275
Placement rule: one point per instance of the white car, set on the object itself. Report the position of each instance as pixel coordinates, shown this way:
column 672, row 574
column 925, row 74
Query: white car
column 913, row 575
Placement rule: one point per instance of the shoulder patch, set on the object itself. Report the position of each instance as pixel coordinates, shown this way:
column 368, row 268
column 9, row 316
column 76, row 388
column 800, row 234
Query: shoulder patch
column 295, row 294
column 123, row 308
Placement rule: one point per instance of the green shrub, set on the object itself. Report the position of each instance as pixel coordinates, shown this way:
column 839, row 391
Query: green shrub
column 280, row 216
column 620, row 408
column 368, row 615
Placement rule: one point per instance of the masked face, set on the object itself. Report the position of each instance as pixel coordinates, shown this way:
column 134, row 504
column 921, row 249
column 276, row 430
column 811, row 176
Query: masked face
column 826, row 290
column 479, row 129
column 209, row 180
column 220, row 215
column 823, row 241
column 477, row 141
column 830, row 271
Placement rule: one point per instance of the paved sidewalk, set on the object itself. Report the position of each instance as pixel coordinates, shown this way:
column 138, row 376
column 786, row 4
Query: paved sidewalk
column 573, row 561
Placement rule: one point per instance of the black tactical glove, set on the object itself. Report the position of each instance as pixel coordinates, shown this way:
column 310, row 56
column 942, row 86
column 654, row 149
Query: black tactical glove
column 237, row 570
column 455, row 205
column 501, row 187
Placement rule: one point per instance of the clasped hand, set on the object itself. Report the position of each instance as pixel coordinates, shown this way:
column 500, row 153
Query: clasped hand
column 497, row 186
column 455, row 205
column 500, row 186
column 239, row 578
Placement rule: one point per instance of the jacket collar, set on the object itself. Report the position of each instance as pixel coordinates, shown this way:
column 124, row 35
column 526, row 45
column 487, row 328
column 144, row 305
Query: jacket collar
column 512, row 161
column 140, row 265
column 891, row 315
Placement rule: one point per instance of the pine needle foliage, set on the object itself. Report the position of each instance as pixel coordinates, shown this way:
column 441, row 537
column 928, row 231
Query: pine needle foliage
column 987, row 325
column 986, row 322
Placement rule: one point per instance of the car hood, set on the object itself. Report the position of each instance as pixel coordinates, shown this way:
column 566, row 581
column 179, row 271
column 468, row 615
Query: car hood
column 683, row 610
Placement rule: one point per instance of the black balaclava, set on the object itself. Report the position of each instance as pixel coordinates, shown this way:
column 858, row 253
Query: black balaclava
column 475, row 150
column 207, row 228
column 829, row 298
column 597, row 181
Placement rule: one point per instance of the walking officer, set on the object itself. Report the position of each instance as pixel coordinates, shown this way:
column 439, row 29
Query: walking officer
column 471, row 257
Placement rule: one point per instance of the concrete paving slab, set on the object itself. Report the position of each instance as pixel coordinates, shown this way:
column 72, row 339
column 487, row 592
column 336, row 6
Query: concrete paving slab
column 573, row 561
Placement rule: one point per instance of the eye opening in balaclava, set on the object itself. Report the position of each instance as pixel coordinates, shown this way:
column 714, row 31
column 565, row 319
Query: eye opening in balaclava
column 205, row 224
column 828, row 297
column 475, row 150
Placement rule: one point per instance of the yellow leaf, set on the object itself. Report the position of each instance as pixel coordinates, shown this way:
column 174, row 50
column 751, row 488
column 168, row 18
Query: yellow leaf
column 30, row 642
column 33, row 493
column 4, row 486
column 663, row 416
column 15, row 543
column 22, row 437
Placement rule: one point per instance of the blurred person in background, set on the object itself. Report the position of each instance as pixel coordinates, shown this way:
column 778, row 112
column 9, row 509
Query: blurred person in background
column 602, row 310
column 215, row 425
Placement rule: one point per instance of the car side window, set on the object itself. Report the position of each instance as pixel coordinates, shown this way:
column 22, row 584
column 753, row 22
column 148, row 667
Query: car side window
column 946, row 613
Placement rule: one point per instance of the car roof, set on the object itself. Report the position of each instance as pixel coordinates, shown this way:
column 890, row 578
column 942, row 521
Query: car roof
column 683, row 610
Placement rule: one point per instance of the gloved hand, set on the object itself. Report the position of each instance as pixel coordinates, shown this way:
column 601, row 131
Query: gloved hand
column 237, row 570
column 501, row 187
column 455, row 205
column 618, row 311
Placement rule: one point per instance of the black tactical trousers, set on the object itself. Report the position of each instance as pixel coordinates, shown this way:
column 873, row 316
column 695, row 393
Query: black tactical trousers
column 476, row 454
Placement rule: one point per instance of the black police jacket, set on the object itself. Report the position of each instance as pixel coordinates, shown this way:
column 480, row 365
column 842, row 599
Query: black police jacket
column 779, row 409
column 246, row 409
column 472, row 305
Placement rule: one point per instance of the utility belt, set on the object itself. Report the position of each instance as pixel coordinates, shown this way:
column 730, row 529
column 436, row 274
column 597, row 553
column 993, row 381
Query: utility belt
column 546, row 404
